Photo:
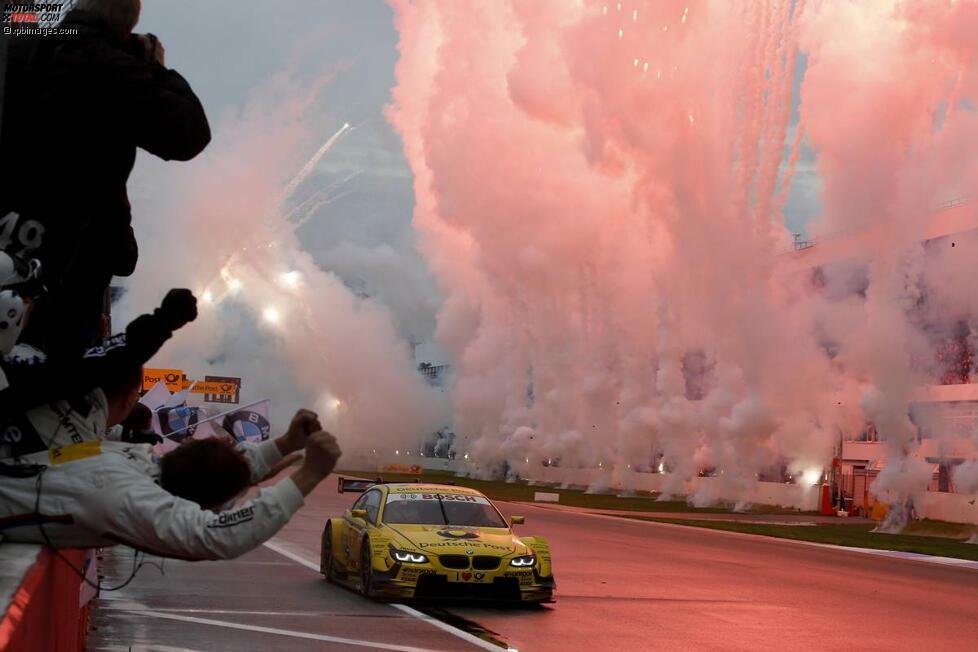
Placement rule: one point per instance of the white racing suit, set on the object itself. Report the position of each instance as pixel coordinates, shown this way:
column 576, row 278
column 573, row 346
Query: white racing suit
column 113, row 497
column 53, row 425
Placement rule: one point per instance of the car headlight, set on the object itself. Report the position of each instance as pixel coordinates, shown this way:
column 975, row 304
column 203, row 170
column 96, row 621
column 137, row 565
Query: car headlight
column 523, row 562
column 413, row 557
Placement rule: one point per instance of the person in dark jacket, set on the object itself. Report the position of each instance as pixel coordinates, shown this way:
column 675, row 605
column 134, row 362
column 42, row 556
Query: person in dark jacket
column 32, row 379
column 77, row 108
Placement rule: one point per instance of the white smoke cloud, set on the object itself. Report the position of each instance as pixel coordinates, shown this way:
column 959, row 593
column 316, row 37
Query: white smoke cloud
column 599, row 193
column 269, row 313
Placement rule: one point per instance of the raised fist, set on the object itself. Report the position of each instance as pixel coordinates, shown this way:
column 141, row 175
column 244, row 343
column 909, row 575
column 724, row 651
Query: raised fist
column 179, row 307
column 303, row 424
column 322, row 453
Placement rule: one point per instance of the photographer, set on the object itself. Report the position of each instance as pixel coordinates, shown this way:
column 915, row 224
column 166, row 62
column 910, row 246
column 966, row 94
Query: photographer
column 167, row 507
column 77, row 107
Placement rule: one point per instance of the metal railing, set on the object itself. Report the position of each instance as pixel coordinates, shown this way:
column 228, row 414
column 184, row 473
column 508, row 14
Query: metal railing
column 800, row 245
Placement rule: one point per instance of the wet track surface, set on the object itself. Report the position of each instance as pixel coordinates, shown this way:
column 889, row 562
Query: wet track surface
column 262, row 601
column 622, row 585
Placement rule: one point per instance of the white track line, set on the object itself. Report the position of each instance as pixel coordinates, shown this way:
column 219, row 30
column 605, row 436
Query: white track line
column 272, row 544
column 913, row 556
column 281, row 632
column 445, row 627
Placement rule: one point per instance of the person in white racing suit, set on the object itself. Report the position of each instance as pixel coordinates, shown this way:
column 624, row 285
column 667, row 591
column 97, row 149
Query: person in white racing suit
column 105, row 493
column 71, row 421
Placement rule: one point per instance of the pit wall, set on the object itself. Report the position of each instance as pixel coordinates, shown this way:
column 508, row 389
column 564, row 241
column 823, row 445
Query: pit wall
column 45, row 607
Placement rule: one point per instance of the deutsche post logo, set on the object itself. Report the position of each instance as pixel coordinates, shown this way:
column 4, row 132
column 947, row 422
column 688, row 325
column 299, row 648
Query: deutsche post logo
column 458, row 534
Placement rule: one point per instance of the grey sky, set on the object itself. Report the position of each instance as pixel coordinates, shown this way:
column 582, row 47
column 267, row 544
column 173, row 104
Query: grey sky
column 227, row 48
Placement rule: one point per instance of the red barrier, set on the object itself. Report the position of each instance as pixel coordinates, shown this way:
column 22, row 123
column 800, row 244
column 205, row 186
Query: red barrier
column 825, row 505
column 44, row 613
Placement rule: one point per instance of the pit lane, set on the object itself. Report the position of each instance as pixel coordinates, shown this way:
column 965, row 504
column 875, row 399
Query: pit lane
column 264, row 600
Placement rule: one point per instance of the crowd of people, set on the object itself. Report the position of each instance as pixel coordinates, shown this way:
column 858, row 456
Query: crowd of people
column 77, row 465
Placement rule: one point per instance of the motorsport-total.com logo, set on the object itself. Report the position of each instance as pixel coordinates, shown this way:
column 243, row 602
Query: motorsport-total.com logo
column 35, row 19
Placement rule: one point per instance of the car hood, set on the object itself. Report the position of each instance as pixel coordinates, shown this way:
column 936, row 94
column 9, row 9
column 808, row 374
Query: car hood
column 454, row 539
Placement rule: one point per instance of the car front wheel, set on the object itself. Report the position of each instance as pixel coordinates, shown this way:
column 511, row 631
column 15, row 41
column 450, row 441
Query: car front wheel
column 326, row 553
column 366, row 576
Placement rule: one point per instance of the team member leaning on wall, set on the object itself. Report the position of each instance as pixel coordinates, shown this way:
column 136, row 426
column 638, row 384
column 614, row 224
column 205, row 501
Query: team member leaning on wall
column 101, row 493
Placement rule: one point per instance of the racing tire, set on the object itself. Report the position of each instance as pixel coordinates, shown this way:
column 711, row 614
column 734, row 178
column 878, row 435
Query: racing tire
column 326, row 561
column 366, row 575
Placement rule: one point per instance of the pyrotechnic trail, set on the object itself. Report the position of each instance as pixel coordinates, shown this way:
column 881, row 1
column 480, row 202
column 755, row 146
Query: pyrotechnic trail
column 304, row 207
column 315, row 208
column 307, row 169
column 233, row 283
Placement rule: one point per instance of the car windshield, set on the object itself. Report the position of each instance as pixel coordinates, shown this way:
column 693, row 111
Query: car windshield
column 441, row 509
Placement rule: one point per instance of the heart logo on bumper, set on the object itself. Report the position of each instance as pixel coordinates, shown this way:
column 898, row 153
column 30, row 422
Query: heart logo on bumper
column 466, row 576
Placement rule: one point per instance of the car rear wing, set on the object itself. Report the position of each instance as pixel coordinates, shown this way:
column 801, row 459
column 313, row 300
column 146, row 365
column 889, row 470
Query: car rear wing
column 356, row 485
column 359, row 485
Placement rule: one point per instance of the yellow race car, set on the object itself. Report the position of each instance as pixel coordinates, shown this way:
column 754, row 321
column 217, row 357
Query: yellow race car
column 403, row 541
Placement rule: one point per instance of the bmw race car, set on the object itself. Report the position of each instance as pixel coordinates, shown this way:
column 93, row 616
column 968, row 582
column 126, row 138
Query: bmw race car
column 402, row 541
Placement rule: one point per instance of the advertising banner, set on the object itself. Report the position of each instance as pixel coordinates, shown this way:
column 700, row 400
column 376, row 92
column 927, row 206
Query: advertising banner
column 222, row 389
column 172, row 378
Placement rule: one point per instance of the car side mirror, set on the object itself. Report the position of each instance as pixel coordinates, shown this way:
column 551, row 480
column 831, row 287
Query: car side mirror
column 517, row 520
column 358, row 513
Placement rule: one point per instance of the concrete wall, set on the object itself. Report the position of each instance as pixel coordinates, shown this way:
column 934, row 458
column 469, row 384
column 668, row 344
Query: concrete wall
column 440, row 464
column 957, row 508
column 766, row 493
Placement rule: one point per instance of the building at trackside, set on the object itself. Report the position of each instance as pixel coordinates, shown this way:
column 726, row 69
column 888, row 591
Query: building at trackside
column 944, row 410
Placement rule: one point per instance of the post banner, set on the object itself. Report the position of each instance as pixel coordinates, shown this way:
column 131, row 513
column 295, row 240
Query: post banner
column 400, row 468
column 208, row 387
column 172, row 378
column 223, row 389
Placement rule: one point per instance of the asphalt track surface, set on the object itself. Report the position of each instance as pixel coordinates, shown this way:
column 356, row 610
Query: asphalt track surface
column 622, row 585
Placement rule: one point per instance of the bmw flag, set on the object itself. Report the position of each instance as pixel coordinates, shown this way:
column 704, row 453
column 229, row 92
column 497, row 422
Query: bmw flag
column 249, row 424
